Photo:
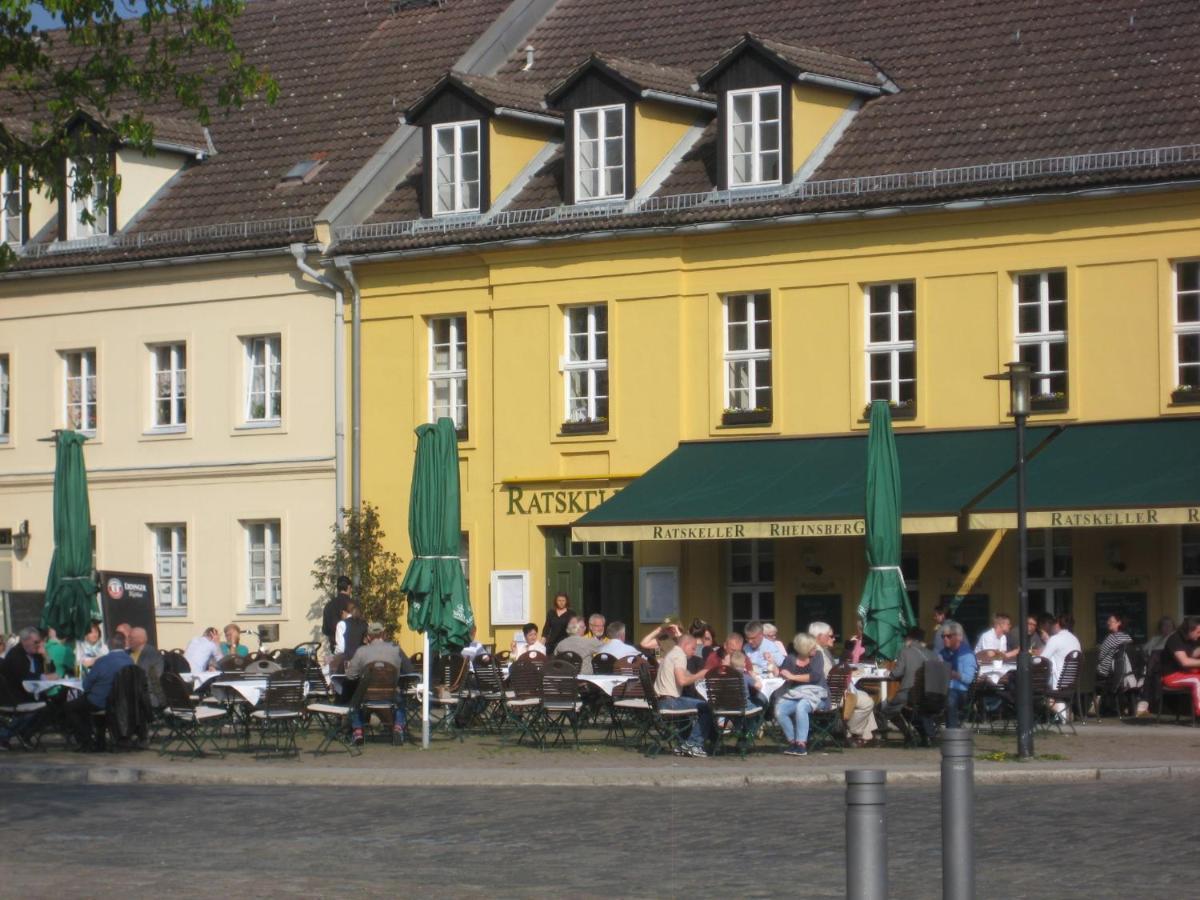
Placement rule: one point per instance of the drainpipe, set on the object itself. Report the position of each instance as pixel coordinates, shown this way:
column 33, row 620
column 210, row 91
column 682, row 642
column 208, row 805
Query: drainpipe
column 339, row 378
column 346, row 268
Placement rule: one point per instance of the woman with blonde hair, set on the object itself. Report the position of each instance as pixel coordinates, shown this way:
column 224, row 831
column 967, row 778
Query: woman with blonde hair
column 803, row 674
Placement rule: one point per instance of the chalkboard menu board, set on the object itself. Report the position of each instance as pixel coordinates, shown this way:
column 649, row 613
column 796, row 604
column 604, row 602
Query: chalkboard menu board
column 22, row 608
column 819, row 608
column 1129, row 605
column 973, row 614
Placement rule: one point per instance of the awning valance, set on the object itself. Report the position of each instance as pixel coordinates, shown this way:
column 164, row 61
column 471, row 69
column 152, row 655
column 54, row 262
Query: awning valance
column 1105, row 475
column 800, row 487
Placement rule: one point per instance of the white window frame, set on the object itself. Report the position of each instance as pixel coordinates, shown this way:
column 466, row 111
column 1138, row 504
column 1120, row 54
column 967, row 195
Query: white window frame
column 1045, row 337
column 169, row 546
column 5, row 398
column 1185, row 580
column 8, row 190
column 753, row 354
column 1185, row 329
column 88, row 411
column 893, row 347
column 756, row 151
column 592, row 366
column 756, row 587
column 77, row 229
column 454, row 376
column 603, row 164
column 176, row 382
column 272, row 366
column 458, row 183
column 1044, row 539
column 272, row 577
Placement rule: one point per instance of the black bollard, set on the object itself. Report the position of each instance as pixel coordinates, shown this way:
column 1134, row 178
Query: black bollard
column 958, row 814
column 866, row 834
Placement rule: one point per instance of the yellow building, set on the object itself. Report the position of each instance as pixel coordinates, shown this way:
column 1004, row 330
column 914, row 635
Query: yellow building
column 659, row 328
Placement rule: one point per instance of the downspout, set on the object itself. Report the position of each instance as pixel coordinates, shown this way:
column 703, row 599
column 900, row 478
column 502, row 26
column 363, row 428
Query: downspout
column 346, row 268
column 339, row 379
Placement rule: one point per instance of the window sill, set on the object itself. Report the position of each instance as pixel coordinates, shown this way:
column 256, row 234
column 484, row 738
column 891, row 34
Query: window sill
column 275, row 611
column 899, row 413
column 744, row 418
column 6, row 442
column 171, row 613
column 1039, row 407
column 1190, row 397
column 272, row 426
column 572, row 428
column 166, row 433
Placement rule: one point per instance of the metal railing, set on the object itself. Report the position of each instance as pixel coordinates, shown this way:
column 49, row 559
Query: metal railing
column 984, row 173
column 173, row 236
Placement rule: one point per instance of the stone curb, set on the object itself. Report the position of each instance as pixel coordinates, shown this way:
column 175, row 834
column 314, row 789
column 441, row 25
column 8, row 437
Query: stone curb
column 681, row 775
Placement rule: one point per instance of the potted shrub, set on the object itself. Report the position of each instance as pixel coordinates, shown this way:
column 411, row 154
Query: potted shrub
column 598, row 425
column 1186, row 393
column 905, row 409
column 1055, row 401
column 760, row 415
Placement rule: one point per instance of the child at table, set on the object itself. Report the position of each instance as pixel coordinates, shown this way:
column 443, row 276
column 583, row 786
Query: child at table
column 737, row 661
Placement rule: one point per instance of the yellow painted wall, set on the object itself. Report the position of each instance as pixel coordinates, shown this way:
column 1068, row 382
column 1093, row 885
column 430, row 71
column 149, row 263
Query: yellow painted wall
column 658, row 127
column 513, row 145
column 814, row 112
column 141, row 178
column 665, row 363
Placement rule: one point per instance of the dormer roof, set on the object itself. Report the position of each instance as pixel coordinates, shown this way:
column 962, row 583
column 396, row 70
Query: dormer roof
column 640, row 78
column 805, row 64
column 496, row 97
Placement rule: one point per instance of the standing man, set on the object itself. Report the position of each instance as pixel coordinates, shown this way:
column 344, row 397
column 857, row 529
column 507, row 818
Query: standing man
column 557, row 618
column 331, row 615
column 958, row 657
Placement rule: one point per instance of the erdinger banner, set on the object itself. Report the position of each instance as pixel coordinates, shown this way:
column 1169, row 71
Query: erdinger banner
column 128, row 597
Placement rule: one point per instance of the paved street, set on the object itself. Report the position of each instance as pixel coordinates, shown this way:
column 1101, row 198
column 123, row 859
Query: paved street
column 1088, row 840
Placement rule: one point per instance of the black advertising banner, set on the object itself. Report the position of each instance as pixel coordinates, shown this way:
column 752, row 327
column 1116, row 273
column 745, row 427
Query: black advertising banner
column 128, row 597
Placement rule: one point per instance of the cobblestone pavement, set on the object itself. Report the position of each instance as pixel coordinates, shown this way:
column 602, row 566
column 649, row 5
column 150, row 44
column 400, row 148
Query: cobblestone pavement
column 1088, row 840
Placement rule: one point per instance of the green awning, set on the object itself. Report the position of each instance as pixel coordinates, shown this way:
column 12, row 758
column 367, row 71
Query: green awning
column 1104, row 475
column 800, row 487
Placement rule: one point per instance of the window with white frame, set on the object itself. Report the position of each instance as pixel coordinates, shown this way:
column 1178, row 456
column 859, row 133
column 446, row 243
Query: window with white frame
column 87, row 216
column 456, row 167
column 892, row 343
column 168, row 385
column 600, row 153
column 585, row 366
column 263, row 564
column 753, row 138
column 1187, row 325
column 264, row 373
column 751, row 582
column 1189, row 580
column 170, row 566
column 79, row 390
column 1041, row 331
column 1048, row 570
column 448, row 369
column 747, row 352
column 5, row 399
column 11, row 210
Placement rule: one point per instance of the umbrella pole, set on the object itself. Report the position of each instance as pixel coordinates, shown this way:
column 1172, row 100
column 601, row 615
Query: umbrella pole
column 425, row 693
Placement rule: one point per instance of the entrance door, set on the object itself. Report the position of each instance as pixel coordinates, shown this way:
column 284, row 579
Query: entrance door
column 597, row 576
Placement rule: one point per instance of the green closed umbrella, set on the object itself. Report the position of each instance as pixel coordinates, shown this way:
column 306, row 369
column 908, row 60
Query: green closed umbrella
column 884, row 607
column 438, row 605
column 71, row 604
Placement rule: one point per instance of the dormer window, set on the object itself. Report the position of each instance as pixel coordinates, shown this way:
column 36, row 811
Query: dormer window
column 91, row 207
column 456, row 168
column 754, row 137
column 600, row 153
column 11, row 207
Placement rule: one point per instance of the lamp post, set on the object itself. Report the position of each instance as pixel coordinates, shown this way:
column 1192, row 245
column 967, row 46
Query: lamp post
column 1019, row 376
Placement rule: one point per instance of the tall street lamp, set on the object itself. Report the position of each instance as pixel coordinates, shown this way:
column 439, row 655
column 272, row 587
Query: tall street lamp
column 1018, row 376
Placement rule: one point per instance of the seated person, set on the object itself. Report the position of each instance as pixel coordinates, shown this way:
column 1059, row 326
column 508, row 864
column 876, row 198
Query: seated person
column 90, row 648
column 596, row 626
column 957, row 655
column 669, row 683
column 529, row 632
column 1181, row 660
column 754, row 685
column 658, row 643
column 579, row 642
column 734, row 642
column 912, row 659
column 471, row 650
column 765, row 655
column 60, row 653
column 993, row 643
column 379, row 649
column 862, row 718
column 97, row 686
column 24, row 661
column 804, row 691
column 615, row 646
column 204, row 651
column 771, row 633
column 1114, row 640
column 1036, row 641
column 232, row 645
column 146, row 655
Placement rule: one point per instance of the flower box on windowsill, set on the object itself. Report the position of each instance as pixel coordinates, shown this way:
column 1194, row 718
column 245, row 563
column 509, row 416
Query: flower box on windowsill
column 734, row 418
column 1048, row 403
column 461, row 434
column 901, row 412
column 595, row 426
column 1185, row 395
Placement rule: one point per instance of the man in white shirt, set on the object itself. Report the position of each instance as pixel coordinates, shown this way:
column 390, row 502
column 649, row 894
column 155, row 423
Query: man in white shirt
column 615, row 645
column 204, row 652
column 1062, row 642
column 994, row 641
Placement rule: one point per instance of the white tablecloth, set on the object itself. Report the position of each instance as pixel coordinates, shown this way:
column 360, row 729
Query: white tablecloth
column 39, row 686
column 199, row 678
column 994, row 673
column 770, row 685
column 249, row 689
column 606, row 683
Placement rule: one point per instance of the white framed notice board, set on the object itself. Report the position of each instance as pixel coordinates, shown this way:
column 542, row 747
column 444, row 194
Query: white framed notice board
column 510, row 597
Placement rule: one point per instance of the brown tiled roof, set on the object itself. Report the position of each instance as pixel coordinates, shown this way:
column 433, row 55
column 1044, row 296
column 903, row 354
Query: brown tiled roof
column 820, row 62
column 527, row 96
column 639, row 74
